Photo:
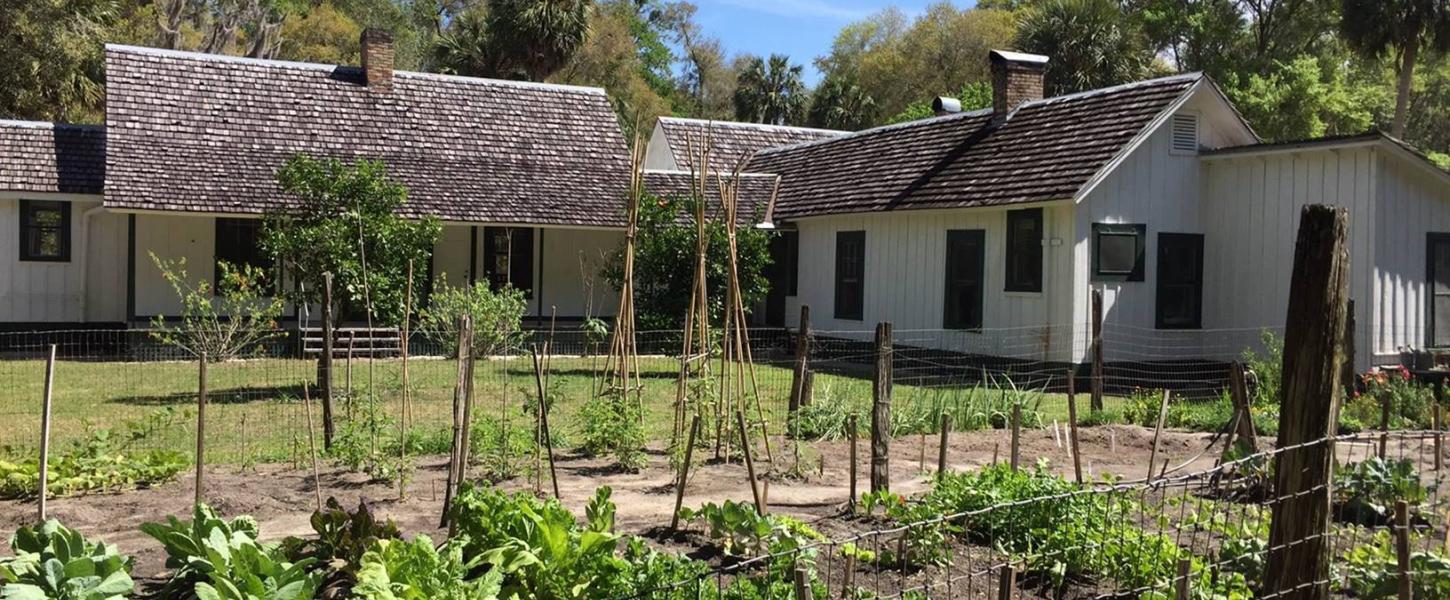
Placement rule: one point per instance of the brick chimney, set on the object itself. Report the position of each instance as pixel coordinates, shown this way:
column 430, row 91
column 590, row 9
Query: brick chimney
column 1016, row 78
column 377, row 59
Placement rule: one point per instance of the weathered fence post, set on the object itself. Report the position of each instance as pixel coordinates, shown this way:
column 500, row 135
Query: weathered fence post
column 802, row 358
column 1072, row 424
column 1239, row 395
column 1347, row 376
column 200, row 424
column 1299, row 546
column 941, row 453
column 1097, row 348
column 1016, row 435
column 881, row 412
column 1158, row 434
column 45, row 433
column 460, row 389
column 324, row 365
column 1402, row 549
column 1185, row 569
column 802, row 585
column 1006, row 580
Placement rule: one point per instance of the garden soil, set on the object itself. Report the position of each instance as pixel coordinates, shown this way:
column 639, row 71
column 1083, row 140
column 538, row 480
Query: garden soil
column 814, row 488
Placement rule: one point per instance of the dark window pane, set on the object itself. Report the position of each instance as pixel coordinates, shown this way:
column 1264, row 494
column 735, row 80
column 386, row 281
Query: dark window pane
column 1024, row 250
column 850, row 274
column 44, row 231
column 962, row 305
column 1117, row 253
column 1180, row 281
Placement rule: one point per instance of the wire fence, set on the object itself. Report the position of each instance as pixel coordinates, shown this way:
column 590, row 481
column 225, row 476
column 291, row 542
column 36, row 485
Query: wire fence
column 999, row 533
column 138, row 388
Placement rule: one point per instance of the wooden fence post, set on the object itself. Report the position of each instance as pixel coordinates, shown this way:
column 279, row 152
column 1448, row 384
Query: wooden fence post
column 802, row 585
column 324, row 376
column 1347, row 375
column 1185, row 569
column 1239, row 395
column 941, row 453
column 465, row 342
column 44, row 466
column 1097, row 348
column 1158, row 434
column 200, row 424
column 1006, row 580
column 1299, row 546
column 802, row 358
column 1016, row 435
column 1072, row 424
column 881, row 412
column 1402, row 549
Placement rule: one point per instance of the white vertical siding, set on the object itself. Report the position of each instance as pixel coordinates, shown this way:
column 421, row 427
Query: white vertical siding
column 171, row 237
column 106, row 251
column 1412, row 204
column 1159, row 188
column 657, row 154
column 60, row 292
column 450, row 255
column 905, row 280
column 1251, row 208
column 569, row 264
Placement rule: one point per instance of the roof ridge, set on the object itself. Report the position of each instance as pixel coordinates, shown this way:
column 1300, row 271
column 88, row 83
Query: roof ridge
column 744, row 125
column 20, row 123
column 308, row 66
column 878, row 129
column 1190, row 76
column 696, row 173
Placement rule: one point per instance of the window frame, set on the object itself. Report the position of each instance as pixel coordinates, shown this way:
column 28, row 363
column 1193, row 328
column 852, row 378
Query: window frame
column 855, row 241
column 521, row 241
column 957, row 239
column 28, row 230
column 1035, row 251
column 1139, row 231
column 1159, row 322
column 257, row 259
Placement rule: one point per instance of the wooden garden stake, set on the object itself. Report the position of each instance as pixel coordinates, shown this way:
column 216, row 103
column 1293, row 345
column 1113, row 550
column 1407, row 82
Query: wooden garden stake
column 45, row 433
column 1439, row 436
column 1072, row 425
column 881, row 412
column 200, row 424
column 685, row 472
column 802, row 587
column 1185, row 568
column 1006, row 580
column 351, row 340
column 1157, row 434
column 403, row 411
column 466, row 451
column 1384, row 425
column 1097, row 348
column 749, row 462
column 921, row 452
column 802, row 358
column 849, row 580
column 312, row 447
column 1299, row 549
column 941, row 451
column 851, row 433
column 1016, row 435
column 1402, row 548
column 544, row 422
column 325, row 364
column 465, row 343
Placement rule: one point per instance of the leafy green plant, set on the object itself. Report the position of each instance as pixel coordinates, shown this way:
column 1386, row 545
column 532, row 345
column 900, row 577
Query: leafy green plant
column 187, row 543
column 883, row 499
column 828, row 417
column 611, row 425
column 94, row 464
column 1267, row 368
column 739, row 530
column 394, row 569
column 1366, row 491
column 246, row 570
column 986, row 405
column 1372, row 571
column 54, row 562
column 343, row 537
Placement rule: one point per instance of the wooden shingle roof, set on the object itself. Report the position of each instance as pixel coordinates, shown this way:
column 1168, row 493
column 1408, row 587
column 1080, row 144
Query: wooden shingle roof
column 1044, row 150
column 206, row 133
column 50, row 157
column 731, row 143
column 754, row 192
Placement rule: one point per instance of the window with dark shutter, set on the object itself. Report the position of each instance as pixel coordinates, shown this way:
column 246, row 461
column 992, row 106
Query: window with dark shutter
column 850, row 274
column 1118, row 251
column 966, row 255
column 1024, row 250
column 1180, row 281
column 508, row 258
column 239, row 243
column 44, row 231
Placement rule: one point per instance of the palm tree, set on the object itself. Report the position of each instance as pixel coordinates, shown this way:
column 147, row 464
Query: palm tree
column 1093, row 44
column 1378, row 27
column 841, row 104
column 514, row 39
column 770, row 92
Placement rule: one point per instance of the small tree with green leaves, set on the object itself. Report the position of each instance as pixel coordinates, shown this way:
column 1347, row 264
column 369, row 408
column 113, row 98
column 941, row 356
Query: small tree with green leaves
column 219, row 322
column 497, row 317
column 345, row 220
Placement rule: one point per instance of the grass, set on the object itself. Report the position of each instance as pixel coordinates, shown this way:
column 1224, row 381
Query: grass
column 254, row 413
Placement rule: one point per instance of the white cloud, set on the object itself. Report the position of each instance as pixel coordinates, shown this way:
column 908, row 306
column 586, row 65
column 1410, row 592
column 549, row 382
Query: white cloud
column 802, row 8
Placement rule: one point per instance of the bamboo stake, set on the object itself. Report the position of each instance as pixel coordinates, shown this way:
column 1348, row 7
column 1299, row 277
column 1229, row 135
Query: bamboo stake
column 1016, row 435
column 44, row 466
column 403, row 411
column 851, row 433
column 941, row 453
column 749, row 463
column 200, row 426
column 465, row 345
column 1072, row 425
column 312, row 445
column 684, row 472
column 544, row 422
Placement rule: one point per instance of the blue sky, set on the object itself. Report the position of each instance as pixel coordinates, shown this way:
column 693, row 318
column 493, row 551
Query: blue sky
column 802, row 29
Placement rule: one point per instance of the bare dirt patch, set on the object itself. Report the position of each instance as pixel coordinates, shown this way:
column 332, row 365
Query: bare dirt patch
column 282, row 498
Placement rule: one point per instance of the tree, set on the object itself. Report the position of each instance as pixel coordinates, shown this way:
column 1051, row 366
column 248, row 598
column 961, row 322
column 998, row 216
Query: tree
column 514, row 39
column 1198, row 35
column 52, row 67
column 344, row 221
column 1405, row 27
column 464, row 48
column 973, row 96
column 1306, row 98
column 770, row 92
column 613, row 59
column 1092, row 44
column 664, row 263
column 497, row 317
column 841, row 104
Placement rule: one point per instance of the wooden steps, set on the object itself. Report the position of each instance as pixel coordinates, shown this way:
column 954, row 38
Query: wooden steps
column 360, row 341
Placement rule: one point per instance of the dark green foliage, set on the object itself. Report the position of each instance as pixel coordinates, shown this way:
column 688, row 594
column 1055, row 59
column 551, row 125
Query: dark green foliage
column 415, row 570
column 187, row 542
column 665, row 263
column 1092, row 43
column 1366, row 491
column 54, row 562
column 343, row 537
column 771, row 91
column 839, row 103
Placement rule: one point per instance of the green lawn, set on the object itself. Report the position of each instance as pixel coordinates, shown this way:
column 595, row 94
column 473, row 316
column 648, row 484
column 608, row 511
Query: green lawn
column 254, row 413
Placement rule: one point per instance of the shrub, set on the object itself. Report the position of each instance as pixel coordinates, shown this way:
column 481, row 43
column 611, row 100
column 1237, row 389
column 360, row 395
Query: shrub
column 611, row 425
column 223, row 322
column 497, row 317
column 53, row 561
